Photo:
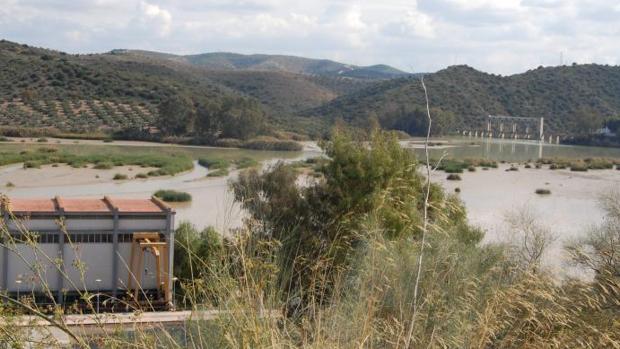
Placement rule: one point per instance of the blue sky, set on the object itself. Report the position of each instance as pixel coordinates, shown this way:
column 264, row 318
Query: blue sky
column 498, row 36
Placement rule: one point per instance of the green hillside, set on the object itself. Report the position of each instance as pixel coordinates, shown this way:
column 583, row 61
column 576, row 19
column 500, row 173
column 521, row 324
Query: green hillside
column 275, row 63
column 562, row 95
column 124, row 89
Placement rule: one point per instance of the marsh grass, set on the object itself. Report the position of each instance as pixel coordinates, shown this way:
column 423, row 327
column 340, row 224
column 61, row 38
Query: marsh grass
column 166, row 164
column 173, row 196
column 459, row 166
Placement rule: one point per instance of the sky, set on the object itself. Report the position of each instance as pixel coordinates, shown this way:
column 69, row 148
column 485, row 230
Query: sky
column 496, row 36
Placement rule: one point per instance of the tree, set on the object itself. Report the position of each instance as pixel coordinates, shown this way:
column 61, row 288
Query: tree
column 320, row 226
column 241, row 118
column 585, row 121
column 208, row 118
column 176, row 116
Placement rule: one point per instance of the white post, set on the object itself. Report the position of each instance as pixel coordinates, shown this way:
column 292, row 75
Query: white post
column 98, row 281
column 542, row 128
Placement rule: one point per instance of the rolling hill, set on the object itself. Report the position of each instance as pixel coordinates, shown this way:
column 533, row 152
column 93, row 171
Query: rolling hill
column 275, row 63
column 559, row 94
column 123, row 88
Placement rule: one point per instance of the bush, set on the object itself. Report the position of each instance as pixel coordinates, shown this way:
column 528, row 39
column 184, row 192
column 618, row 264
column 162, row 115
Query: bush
column 173, row 196
column 599, row 164
column 42, row 140
column 213, row 164
column 268, row 143
column 579, row 167
column 32, row 164
column 245, row 163
column 453, row 177
column 543, row 191
column 142, row 175
column 229, row 143
column 103, row 166
column 512, row 168
column 471, row 169
column 10, row 185
column 4, row 139
column 119, row 176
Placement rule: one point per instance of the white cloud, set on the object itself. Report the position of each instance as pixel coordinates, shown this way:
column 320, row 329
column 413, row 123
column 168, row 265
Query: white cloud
column 155, row 15
column 501, row 36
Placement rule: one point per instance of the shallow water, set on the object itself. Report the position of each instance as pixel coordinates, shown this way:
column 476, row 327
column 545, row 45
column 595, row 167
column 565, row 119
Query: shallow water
column 211, row 205
column 510, row 150
column 488, row 195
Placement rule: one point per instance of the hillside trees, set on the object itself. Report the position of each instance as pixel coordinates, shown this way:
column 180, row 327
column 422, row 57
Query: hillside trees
column 176, row 116
column 238, row 118
column 585, row 121
column 413, row 120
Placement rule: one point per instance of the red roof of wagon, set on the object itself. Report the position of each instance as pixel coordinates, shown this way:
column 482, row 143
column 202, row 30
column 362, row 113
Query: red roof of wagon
column 58, row 205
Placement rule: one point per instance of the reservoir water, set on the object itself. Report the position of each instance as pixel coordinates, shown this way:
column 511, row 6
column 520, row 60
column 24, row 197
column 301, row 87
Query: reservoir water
column 489, row 196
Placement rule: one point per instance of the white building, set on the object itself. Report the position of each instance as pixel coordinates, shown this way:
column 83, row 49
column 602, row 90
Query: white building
column 107, row 246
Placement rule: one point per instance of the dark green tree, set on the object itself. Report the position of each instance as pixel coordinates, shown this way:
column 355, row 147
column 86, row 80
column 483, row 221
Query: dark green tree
column 176, row 116
column 320, row 226
column 241, row 118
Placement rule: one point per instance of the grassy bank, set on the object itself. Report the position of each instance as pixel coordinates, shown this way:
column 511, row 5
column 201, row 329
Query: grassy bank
column 220, row 167
column 35, row 158
column 579, row 165
column 460, row 166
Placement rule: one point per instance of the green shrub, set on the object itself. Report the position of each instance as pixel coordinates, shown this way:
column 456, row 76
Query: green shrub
column 453, row 177
column 599, row 164
column 10, row 185
column 229, row 143
column 245, row 162
column 32, row 164
column 42, row 140
column 173, row 196
column 512, row 168
column 213, row 164
column 103, row 166
column 579, row 167
column 268, row 143
column 471, row 169
column 543, row 191
column 142, row 175
column 119, row 176
column 4, row 139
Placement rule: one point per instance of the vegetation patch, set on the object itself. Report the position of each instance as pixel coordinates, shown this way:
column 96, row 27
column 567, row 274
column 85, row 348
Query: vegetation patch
column 543, row 191
column 166, row 164
column 459, row 166
column 173, row 196
column 245, row 162
column 119, row 177
column 106, row 165
column 453, row 177
column 578, row 164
